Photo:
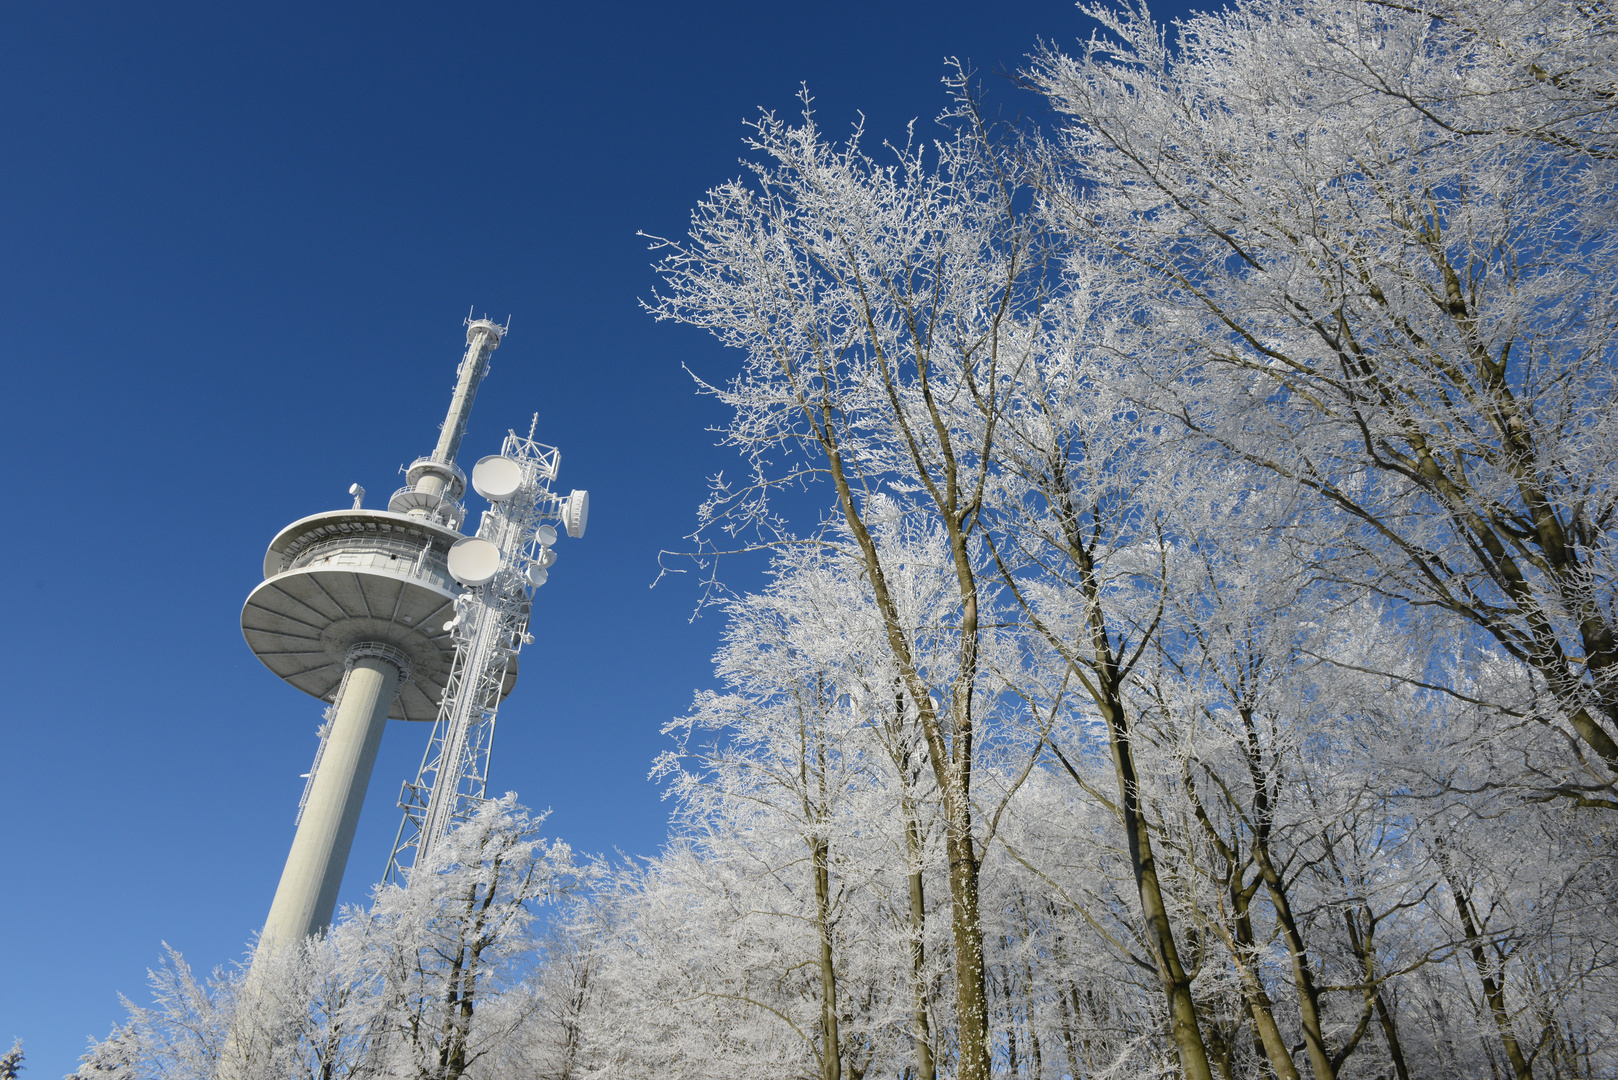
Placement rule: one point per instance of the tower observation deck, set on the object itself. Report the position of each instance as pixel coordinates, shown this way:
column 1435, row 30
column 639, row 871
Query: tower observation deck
column 397, row 613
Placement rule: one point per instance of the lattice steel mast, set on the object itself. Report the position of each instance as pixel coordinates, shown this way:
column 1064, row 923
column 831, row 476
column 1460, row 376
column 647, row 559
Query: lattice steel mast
column 490, row 627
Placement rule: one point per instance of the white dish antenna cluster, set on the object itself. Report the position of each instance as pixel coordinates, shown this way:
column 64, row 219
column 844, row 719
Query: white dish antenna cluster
column 476, row 561
column 499, row 567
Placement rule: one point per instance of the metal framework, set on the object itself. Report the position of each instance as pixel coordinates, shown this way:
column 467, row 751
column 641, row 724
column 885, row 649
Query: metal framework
column 490, row 627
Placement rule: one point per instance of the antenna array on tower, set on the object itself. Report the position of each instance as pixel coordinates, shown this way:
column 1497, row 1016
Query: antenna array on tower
column 490, row 625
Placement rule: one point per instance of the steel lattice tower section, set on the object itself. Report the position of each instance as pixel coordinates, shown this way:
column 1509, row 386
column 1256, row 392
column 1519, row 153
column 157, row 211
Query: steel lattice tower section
column 490, row 627
column 396, row 613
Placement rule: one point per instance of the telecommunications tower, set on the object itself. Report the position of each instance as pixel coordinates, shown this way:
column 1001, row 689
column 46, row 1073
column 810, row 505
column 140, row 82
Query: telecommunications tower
column 397, row 613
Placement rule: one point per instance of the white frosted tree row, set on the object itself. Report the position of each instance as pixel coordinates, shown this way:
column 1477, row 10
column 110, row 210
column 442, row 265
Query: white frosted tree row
column 1188, row 646
column 721, row 957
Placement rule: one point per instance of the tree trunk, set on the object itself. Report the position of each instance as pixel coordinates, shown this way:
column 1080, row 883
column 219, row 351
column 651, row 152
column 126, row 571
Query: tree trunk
column 1183, row 1026
column 831, row 1051
column 1363, row 946
column 1104, row 690
column 1259, row 1005
column 1493, row 991
column 923, row 1036
column 1390, row 1032
column 1302, row 975
column 971, row 1000
column 1238, row 938
column 1320, row 1058
column 951, row 761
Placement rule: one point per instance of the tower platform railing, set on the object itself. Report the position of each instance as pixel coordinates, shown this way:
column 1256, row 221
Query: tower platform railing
column 378, row 553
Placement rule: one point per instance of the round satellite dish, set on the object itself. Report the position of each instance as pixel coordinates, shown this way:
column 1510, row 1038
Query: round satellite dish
column 537, row 575
column 576, row 513
column 496, row 478
column 545, row 535
column 473, row 562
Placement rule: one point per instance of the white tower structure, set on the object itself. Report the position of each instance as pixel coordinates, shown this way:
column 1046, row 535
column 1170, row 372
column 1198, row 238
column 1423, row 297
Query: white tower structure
column 396, row 613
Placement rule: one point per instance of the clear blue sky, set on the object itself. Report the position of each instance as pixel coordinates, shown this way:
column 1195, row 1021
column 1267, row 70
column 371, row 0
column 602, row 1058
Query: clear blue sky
column 236, row 246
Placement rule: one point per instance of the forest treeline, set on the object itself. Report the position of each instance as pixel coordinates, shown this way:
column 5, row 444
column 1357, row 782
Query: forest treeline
column 1189, row 642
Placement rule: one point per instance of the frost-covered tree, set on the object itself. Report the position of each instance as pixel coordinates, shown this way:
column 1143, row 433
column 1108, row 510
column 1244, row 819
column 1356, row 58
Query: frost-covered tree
column 1087, row 502
column 787, row 747
column 1371, row 250
column 182, row 1035
column 450, row 945
column 882, row 305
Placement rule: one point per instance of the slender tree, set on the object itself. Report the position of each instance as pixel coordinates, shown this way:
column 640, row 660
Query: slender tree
column 881, row 310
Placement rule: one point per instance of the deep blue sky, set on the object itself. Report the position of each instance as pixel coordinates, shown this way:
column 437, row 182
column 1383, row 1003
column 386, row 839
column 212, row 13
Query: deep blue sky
column 236, row 246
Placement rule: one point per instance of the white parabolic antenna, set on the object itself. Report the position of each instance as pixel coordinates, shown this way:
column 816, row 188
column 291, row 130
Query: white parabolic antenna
column 473, row 562
column 576, row 512
column 496, row 478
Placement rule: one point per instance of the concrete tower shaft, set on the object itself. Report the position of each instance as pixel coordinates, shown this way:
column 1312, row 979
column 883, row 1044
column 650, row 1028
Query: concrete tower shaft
column 307, row 894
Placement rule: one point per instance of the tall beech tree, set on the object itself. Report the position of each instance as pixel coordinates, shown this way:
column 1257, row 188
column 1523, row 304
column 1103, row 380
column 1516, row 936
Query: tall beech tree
column 882, row 308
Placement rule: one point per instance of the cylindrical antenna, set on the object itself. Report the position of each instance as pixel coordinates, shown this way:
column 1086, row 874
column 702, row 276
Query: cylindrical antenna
column 435, row 480
column 482, row 338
